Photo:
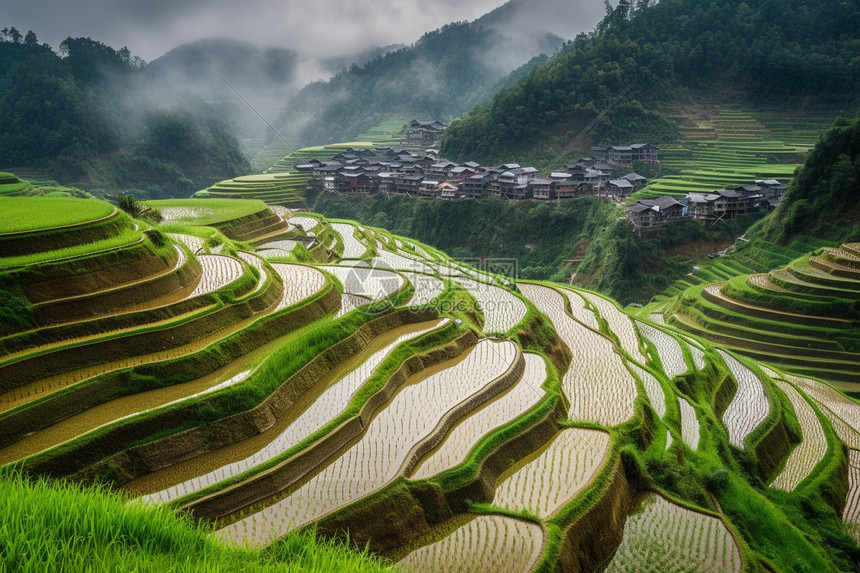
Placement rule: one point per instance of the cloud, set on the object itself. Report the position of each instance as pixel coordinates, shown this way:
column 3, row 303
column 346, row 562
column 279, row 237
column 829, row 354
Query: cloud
column 324, row 28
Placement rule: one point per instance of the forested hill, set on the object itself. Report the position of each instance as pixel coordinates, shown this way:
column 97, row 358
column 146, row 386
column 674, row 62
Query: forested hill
column 824, row 198
column 91, row 114
column 443, row 74
column 790, row 53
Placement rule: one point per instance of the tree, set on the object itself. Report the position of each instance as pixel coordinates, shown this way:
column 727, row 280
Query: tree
column 15, row 35
column 30, row 39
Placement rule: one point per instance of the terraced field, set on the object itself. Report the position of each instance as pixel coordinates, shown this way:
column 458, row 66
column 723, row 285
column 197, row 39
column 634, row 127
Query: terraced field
column 384, row 447
column 664, row 536
column 486, row 543
column 726, row 147
column 653, row 390
column 544, row 485
column 599, row 386
column 352, row 247
column 459, row 442
column 286, row 189
column 749, row 407
column 178, row 364
column 810, row 451
column 801, row 317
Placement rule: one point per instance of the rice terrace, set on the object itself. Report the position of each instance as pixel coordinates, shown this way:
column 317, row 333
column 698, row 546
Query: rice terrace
column 293, row 304
column 361, row 382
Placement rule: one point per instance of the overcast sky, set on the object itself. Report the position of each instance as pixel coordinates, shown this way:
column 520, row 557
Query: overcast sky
column 323, row 27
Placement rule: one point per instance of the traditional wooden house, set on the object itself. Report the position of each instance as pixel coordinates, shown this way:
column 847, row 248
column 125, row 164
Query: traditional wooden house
column 637, row 180
column 721, row 204
column 440, row 170
column 475, row 185
column 449, row 190
column 701, row 205
column 645, row 152
column 427, row 188
column 351, row 181
column 461, row 172
column 771, row 188
column 649, row 212
column 620, row 187
column 386, row 182
column 542, row 190
column 620, row 154
column 733, row 203
column 407, row 184
column 642, row 216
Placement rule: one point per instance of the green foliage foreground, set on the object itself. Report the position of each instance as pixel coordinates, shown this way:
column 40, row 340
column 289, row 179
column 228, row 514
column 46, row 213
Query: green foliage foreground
column 57, row 526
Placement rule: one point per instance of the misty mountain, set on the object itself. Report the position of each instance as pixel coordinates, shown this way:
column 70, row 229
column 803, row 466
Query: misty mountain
column 266, row 77
column 444, row 73
column 204, row 64
column 803, row 53
column 91, row 115
column 260, row 72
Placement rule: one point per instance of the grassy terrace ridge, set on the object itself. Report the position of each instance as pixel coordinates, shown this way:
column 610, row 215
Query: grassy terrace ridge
column 205, row 212
column 19, row 215
column 287, row 188
column 803, row 326
column 11, row 185
column 55, row 526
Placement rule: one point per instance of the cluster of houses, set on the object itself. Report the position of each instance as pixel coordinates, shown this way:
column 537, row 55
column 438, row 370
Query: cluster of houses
column 427, row 175
column 424, row 134
column 717, row 205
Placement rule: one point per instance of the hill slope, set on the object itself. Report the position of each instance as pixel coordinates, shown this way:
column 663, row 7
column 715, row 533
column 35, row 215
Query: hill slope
column 91, row 115
column 799, row 54
column 268, row 372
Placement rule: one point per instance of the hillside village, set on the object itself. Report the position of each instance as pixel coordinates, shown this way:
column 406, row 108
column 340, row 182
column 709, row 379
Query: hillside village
column 427, row 175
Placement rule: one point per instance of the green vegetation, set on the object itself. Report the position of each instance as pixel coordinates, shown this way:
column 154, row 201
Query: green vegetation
column 823, row 200
column 794, row 317
column 19, row 214
column 585, row 238
column 361, row 97
column 56, row 526
column 206, row 212
column 658, row 51
column 160, row 143
column 285, row 189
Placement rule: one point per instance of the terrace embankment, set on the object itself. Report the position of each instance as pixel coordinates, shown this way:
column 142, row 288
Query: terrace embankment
column 82, row 275
column 413, row 509
column 113, row 455
column 50, row 239
column 144, row 291
column 774, row 446
column 591, row 539
column 61, row 360
column 258, row 225
column 122, row 381
column 278, row 481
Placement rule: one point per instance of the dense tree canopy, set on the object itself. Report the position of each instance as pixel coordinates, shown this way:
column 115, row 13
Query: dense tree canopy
column 91, row 113
column 786, row 51
column 825, row 194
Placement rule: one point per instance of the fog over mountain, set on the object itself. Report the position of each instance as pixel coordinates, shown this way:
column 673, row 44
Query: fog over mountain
column 326, row 28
